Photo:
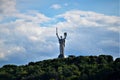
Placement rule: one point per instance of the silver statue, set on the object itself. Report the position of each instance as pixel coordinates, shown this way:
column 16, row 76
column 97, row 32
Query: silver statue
column 61, row 43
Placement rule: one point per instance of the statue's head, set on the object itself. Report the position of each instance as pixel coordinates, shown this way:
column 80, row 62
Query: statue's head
column 61, row 37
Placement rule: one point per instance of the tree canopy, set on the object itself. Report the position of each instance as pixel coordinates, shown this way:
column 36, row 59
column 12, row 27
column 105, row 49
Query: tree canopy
column 101, row 67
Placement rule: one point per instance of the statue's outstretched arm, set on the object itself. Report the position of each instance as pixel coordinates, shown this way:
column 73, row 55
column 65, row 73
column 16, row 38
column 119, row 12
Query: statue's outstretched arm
column 57, row 34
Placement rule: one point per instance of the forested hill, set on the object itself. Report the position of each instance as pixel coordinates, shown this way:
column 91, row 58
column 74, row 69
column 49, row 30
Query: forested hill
column 101, row 67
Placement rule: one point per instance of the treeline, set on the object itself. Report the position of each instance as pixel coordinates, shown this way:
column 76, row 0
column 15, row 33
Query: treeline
column 101, row 67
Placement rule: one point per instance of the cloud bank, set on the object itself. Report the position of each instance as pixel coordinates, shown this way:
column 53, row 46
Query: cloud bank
column 30, row 36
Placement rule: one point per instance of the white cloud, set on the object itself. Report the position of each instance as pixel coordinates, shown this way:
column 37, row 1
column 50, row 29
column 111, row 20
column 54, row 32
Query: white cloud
column 32, row 17
column 109, row 43
column 2, row 56
column 28, row 38
column 79, row 18
column 56, row 6
column 115, row 29
column 7, row 7
column 23, row 36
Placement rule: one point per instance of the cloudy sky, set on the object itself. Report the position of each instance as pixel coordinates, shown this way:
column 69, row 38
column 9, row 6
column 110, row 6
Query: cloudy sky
column 27, row 29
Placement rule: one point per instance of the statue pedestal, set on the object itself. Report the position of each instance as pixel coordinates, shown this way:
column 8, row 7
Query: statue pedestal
column 61, row 56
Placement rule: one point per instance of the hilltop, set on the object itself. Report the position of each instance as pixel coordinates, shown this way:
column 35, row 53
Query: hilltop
column 101, row 67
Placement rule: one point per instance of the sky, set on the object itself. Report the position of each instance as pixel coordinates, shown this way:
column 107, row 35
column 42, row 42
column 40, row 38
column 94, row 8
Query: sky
column 27, row 29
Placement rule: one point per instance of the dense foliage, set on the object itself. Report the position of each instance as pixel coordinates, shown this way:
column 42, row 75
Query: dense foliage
column 101, row 67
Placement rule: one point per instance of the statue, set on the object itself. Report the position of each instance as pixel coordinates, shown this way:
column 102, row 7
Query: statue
column 61, row 43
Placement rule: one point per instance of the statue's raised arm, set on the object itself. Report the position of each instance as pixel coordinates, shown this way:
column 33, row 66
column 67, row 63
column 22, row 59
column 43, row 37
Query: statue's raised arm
column 57, row 33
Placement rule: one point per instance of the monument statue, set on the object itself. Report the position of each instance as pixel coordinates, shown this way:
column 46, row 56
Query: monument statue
column 61, row 43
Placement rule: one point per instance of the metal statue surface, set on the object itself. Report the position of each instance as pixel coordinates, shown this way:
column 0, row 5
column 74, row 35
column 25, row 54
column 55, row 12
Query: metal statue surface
column 61, row 43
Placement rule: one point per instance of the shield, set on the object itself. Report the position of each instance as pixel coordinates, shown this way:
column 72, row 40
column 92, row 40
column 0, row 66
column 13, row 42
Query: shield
column 65, row 34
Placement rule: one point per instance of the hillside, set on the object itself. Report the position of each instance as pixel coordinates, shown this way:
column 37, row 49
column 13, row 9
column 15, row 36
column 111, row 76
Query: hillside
column 101, row 67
